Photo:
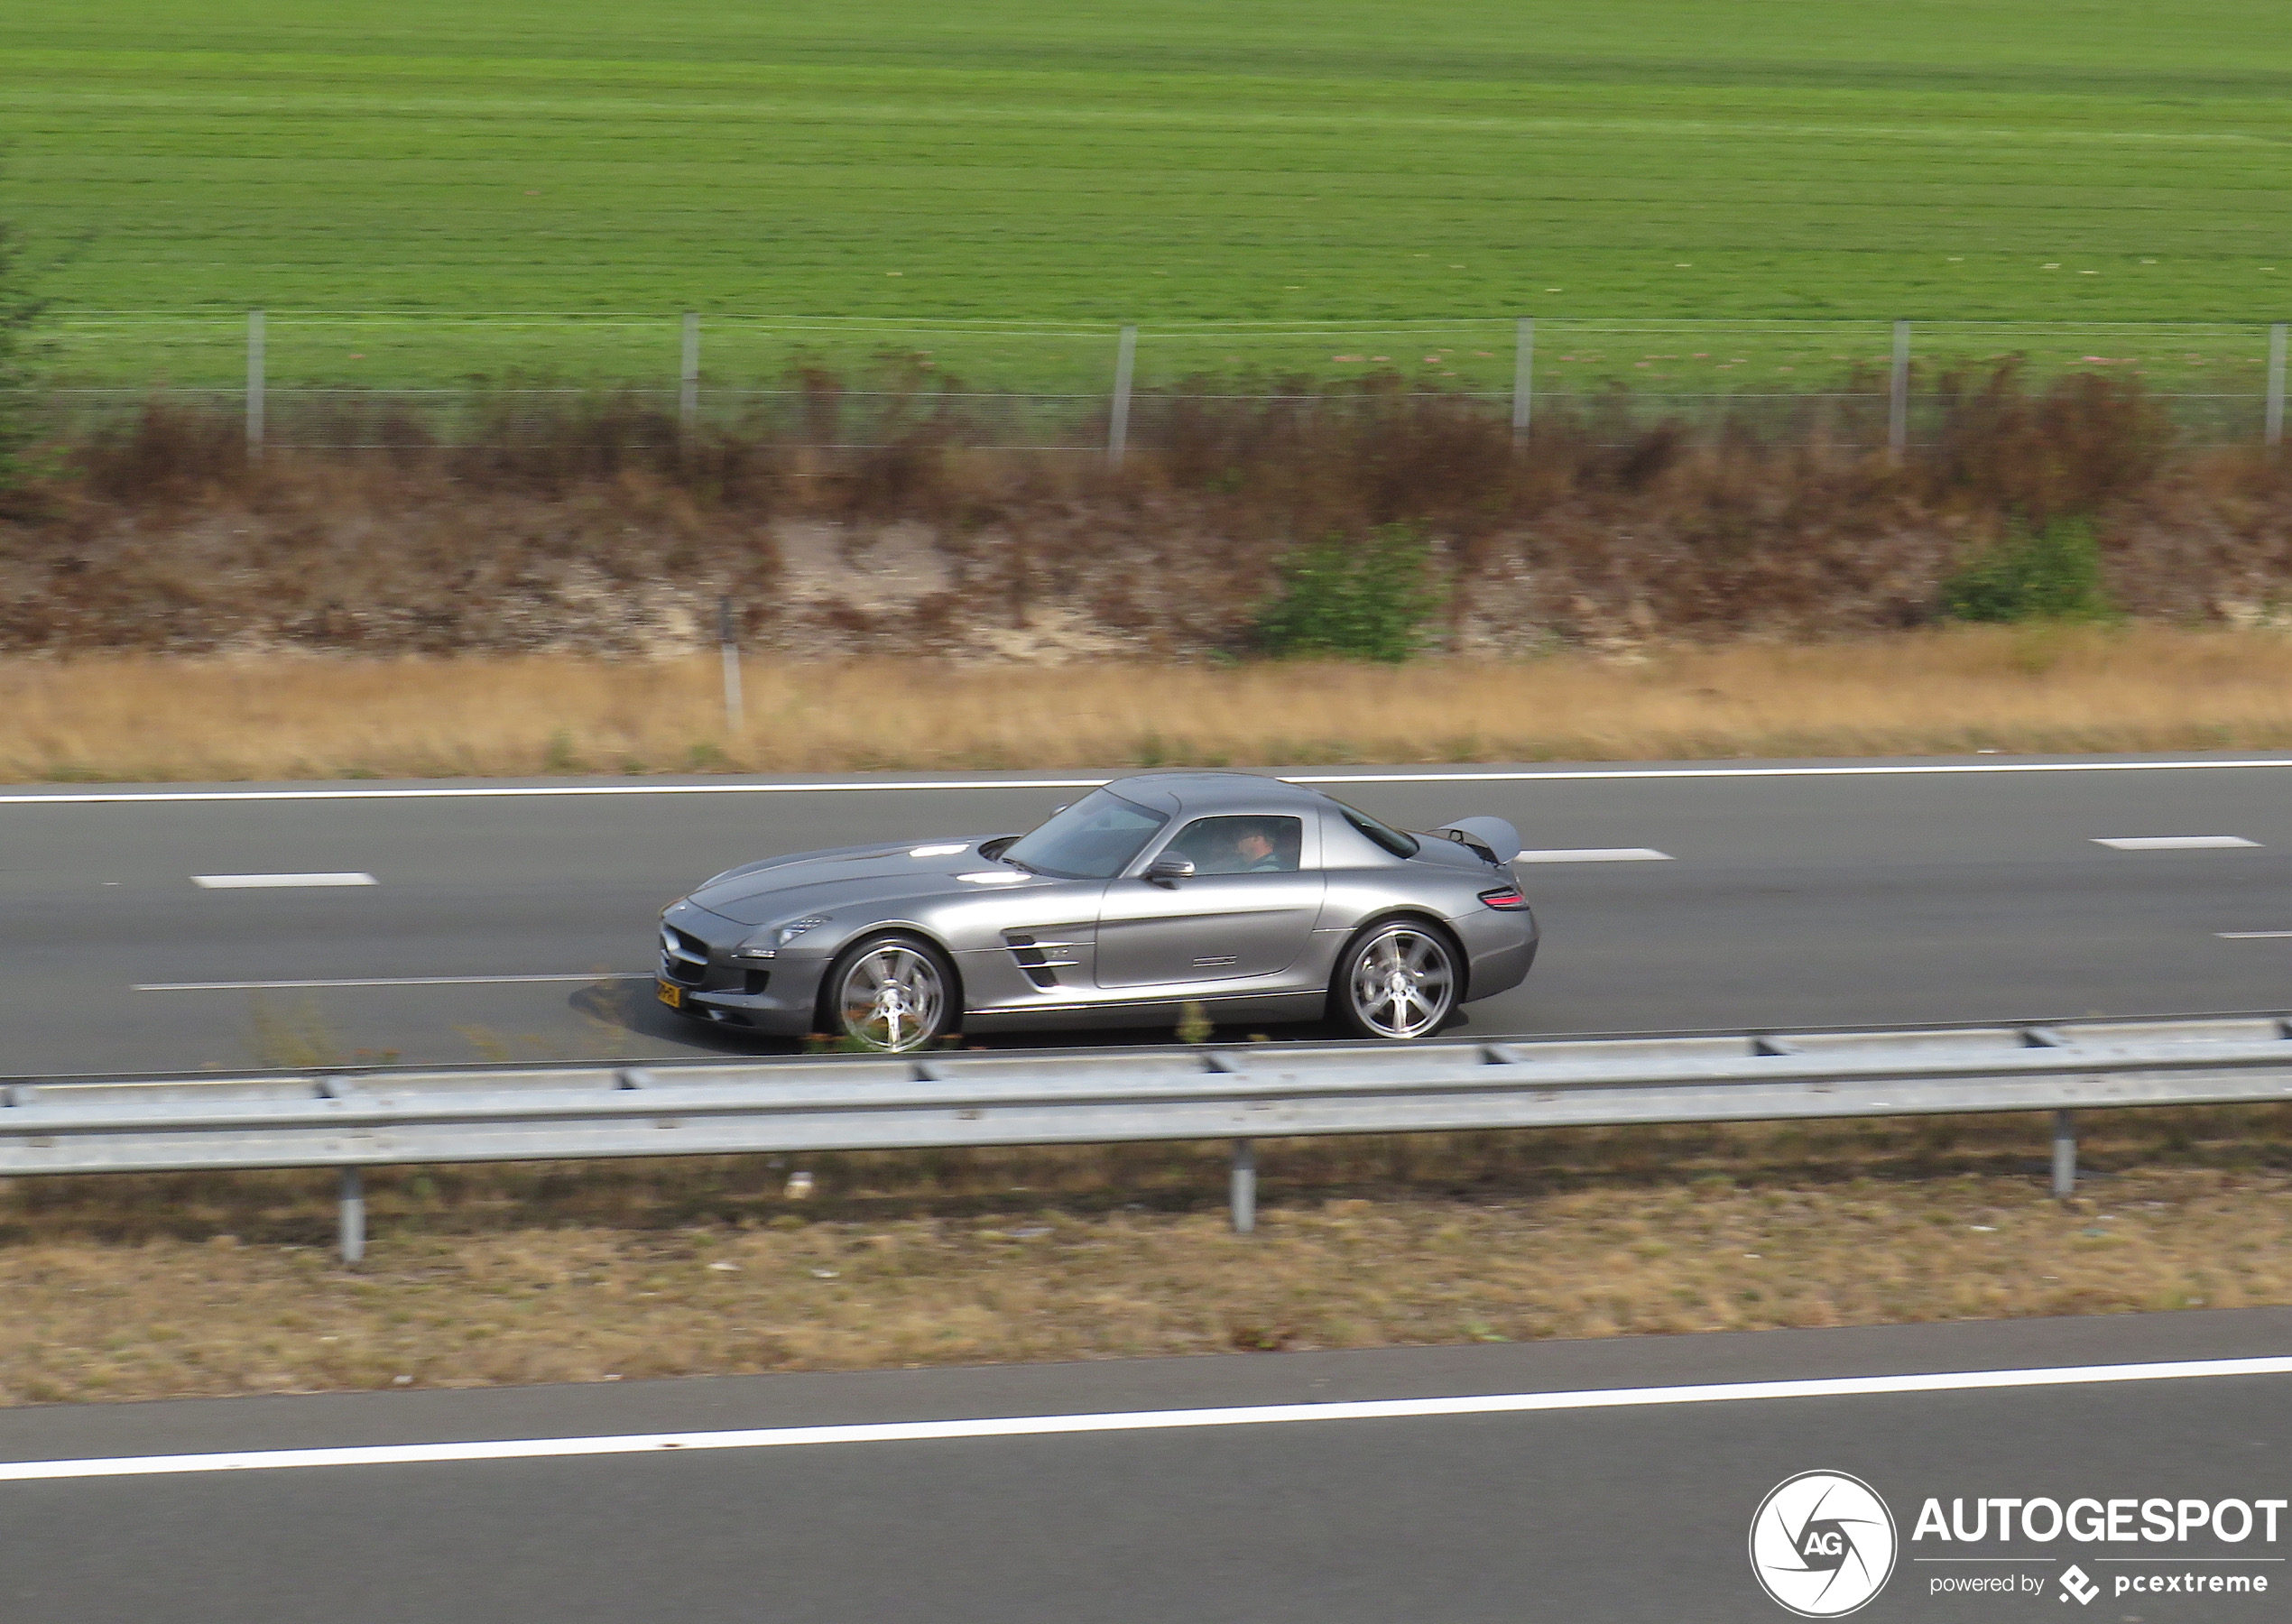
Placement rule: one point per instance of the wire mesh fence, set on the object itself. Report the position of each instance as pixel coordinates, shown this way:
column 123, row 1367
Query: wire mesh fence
column 374, row 380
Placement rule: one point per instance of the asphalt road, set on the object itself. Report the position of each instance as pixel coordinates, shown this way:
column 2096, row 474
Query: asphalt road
column 1634, row 1513
column 1787, row 899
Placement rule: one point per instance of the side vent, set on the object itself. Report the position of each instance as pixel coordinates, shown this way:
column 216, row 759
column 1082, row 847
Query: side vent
column 1040, row 961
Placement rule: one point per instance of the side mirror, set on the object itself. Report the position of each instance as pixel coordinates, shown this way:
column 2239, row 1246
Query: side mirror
column 1165, row 871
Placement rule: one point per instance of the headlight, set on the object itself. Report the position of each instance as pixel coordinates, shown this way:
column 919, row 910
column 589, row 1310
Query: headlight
column 778, row 938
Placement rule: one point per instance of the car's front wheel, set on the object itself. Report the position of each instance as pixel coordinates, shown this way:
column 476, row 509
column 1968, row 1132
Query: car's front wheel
column 1397, row 980
column 889, row 993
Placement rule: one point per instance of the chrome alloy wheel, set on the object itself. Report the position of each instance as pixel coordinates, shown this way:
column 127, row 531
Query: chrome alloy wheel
column 892, row 997
column 1403, row 983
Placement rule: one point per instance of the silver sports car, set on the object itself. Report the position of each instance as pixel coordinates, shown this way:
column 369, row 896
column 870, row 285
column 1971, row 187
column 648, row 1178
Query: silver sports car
column 1257, row 899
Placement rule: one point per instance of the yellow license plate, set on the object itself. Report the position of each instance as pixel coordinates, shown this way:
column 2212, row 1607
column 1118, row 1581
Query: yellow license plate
column 671, row 994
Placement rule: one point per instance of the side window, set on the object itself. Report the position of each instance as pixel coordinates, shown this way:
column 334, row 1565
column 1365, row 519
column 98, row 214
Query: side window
column 1392, row 840
column 1240, row 845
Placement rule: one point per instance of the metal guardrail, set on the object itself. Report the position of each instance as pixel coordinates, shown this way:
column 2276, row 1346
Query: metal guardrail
column 354, row 1120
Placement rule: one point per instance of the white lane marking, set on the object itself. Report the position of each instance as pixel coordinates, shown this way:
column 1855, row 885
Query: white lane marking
column 383, row 981
column 1571, row 775
column 2251, row 935
column 1021, row 1427
column 275, row 881
column 1597, row 855
column 2176, row 843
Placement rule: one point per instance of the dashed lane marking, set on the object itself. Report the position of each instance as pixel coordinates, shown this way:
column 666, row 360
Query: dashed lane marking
column 1597, row 855
column 276, row 881
column 2176, row 843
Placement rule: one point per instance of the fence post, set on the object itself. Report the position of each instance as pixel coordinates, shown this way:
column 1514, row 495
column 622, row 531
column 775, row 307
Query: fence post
column 1898, row 396
column 689, row 375
column 353, row 1202
column 2064, row 1155
column 1118, row 424
column 2276, row 385
column 254, row 370
column 728, row 652
column 1242, row 1196
column 1523, row 376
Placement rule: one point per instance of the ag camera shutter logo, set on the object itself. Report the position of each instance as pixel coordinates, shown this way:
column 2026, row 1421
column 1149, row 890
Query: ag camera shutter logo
column 1823, row 1544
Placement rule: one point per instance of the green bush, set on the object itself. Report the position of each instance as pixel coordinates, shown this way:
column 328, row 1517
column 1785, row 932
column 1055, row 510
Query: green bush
column 2053, row 574
column 1347, row 599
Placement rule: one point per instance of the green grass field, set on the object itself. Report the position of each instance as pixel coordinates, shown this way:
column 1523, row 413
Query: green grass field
column 1346, row 163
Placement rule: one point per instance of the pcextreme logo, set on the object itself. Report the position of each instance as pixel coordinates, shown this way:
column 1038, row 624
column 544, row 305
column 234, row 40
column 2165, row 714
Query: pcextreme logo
column 1823, row 1544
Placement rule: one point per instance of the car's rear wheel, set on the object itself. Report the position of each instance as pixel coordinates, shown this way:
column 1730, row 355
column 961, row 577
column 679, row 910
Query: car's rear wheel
column 889, row 993
column 1397, row 980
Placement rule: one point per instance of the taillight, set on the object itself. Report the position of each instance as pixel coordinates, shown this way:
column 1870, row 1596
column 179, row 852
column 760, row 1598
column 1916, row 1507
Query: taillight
column 1505, row 898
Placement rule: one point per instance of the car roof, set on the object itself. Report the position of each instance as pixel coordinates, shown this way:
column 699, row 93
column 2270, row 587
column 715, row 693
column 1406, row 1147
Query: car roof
column 1206, row 794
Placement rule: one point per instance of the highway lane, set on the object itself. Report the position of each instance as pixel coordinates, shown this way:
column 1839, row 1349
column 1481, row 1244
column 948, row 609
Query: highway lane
column 1635, row 1511
column 1787, row 899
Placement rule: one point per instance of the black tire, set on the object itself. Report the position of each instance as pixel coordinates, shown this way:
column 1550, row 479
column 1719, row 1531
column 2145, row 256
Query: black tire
column 1399, row 980
column 892, row 992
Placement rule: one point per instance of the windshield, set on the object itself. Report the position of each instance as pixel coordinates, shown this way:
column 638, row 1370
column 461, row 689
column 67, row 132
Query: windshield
column 1093, row 839
column 1392, row 840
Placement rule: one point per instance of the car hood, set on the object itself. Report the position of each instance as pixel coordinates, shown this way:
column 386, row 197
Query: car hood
column 758, row 893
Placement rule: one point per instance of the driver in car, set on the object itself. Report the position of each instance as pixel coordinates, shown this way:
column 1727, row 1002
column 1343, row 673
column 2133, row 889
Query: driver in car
column 1254, row 851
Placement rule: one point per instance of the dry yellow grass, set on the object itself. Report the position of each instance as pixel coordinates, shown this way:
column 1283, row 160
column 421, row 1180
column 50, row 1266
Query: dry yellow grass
column 135, row 1287
column 174, row 1317
column 2041, row 689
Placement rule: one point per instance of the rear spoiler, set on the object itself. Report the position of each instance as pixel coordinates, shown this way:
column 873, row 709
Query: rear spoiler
column 1495, row 840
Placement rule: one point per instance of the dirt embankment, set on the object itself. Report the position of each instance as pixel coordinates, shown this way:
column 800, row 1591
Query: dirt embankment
column 601, row 531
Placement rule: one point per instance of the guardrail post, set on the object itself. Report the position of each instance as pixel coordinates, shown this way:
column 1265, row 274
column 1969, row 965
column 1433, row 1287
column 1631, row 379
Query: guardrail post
column 1244, row 1194
column 353, row 1202
column 1118, row 422
column 729, row 656
column 1523, row 377
column 1898, row 396
column 2064, row 1155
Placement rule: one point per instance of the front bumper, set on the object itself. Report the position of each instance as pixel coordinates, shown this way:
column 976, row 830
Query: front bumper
column 778, row 995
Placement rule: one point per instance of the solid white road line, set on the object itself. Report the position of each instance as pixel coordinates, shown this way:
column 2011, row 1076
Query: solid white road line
column 2176, row 843
column 1597, row 855
column 1021, row 1427
column 2251, row 935
column 385, row 981
column 1536, row 776
column 275, row 881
